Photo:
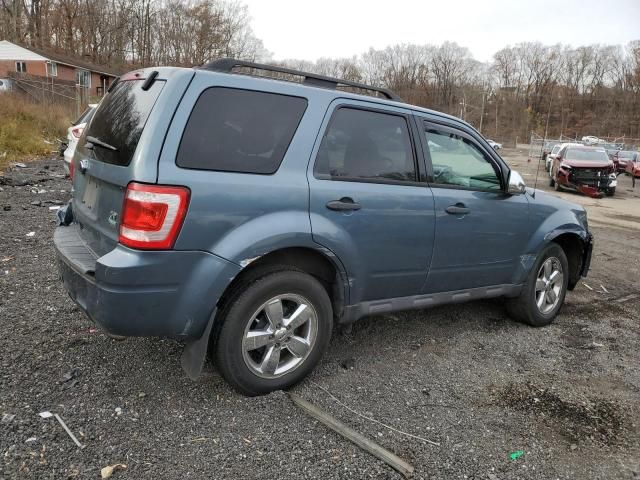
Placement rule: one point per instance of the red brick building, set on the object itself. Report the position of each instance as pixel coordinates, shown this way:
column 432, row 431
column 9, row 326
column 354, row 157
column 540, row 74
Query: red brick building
column 15, row 58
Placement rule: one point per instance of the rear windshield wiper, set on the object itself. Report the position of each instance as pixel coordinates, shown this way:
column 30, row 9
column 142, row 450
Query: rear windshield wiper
column 93, row 142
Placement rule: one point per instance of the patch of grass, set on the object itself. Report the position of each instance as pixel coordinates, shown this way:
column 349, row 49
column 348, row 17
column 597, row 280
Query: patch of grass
column 26, row 127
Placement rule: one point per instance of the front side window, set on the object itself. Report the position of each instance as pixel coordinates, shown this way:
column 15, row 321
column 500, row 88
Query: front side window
column 459, row 162
column 21, row 67
column 243, row 131
column 366, row 145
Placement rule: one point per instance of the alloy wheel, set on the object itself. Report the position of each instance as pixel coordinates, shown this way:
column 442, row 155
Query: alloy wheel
column 279, row 336
column 549, row 284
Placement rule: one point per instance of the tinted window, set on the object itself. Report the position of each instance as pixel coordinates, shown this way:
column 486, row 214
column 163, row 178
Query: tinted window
column 120, row 119
column 360, row 144
column 239, row 131
column 588, row 155
column 457, row 161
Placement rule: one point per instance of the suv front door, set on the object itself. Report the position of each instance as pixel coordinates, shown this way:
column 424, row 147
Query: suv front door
column 366, row 203
column 481, row 231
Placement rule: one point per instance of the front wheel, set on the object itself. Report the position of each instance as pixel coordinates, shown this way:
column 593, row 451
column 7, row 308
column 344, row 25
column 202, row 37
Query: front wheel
column 543, row 293
column 611, row 191
column 274, row 333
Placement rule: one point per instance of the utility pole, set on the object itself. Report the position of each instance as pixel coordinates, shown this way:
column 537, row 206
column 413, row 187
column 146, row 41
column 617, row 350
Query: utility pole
column 482, row 111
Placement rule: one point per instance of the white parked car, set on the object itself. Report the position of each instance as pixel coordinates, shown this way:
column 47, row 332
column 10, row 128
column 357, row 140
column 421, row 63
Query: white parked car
column 74, row 132
column 5, row 84
column 494, row 145
column 591, row 140
column 554, row 153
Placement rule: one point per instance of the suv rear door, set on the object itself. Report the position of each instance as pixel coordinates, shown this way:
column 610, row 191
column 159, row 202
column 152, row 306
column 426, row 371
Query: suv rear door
column 126, row 146
column 367, row 205
column 480, row 230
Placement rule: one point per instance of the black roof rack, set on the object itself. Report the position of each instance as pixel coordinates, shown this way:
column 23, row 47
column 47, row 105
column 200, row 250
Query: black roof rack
column 227, row 65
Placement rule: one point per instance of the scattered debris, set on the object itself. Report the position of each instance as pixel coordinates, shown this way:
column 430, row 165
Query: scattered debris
column 604, row 289
column 587, row 286
column 6, row 259
column 31, row 234
column 361, row 441
column 107, row 471
column 372, row 419
column 6, row 208
column 627, row 298
column 573, row 446
column 36, row 203
column 71, row 374
column 64, row 425
column 7, row 417
column 118, row 411
column 55, row 207
column 492, row 476
column 348, row 364
column 516, row 455
column 20, row 165
column 31, row 439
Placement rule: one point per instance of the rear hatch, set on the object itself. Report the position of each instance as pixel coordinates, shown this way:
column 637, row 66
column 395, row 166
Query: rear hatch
column 118, row 146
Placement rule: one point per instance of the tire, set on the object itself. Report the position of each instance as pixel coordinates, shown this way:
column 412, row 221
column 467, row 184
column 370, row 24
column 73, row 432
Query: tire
column 556, row 185
column 611, row 191
column 552, row 182
column 282, row 293
column 524, row 308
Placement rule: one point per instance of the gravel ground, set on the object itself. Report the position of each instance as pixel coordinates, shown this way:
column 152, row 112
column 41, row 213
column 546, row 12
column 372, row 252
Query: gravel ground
column 464, row 376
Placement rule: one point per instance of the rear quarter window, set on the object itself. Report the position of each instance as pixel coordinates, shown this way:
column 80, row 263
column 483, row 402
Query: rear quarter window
column 120, row 119
column 241, row 131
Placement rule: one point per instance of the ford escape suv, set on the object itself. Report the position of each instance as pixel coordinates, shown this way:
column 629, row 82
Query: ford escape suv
column 246, row 209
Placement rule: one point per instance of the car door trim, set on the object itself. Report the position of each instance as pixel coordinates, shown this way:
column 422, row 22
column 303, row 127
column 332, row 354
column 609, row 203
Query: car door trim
column 352, row 313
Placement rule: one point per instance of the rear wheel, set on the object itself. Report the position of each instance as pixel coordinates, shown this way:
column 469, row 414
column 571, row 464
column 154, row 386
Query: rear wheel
column 552, row 182
column 543, row 294
column 611, row 191
column 274, row 333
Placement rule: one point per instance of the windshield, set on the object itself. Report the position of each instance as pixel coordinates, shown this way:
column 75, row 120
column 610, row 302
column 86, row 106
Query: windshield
column 556, row 149
column 587, row 155
column 120, row 118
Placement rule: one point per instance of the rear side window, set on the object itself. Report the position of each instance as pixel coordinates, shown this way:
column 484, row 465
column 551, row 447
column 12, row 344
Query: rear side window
column 242, row 131
column 84, row 116
column 120, row 119
column 366, row 145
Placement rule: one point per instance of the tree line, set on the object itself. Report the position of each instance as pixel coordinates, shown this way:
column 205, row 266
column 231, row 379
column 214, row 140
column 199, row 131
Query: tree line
column 552, row 90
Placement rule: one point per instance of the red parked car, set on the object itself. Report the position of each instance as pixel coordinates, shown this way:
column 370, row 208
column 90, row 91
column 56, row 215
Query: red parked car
column 622, row 157
column 588, row 170
column 632, row 166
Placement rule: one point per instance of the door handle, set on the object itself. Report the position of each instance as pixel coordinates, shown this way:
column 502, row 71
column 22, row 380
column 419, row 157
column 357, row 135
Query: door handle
column 457, row 209
column 343, row 205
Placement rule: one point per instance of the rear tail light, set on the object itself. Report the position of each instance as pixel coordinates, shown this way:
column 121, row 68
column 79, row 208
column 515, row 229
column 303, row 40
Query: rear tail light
column 77, row 131
column 152, row 216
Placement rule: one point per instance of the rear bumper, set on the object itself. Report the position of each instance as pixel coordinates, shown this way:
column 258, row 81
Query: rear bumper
column 143, row 293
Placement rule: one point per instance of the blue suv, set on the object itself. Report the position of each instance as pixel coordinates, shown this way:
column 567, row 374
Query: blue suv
column 245, row 209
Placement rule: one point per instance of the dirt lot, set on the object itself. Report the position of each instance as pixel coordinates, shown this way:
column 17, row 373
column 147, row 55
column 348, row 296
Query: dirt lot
column 464, row 376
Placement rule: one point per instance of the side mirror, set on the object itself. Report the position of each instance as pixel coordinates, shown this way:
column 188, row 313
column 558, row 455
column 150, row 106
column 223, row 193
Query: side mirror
column 516, row 184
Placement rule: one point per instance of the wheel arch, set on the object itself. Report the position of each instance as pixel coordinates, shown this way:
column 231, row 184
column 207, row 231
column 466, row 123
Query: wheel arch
column 574, row 247
column 319, row 262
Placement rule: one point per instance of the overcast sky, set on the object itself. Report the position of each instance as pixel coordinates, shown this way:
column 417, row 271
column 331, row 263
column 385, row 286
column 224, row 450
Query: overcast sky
column 342, row 28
